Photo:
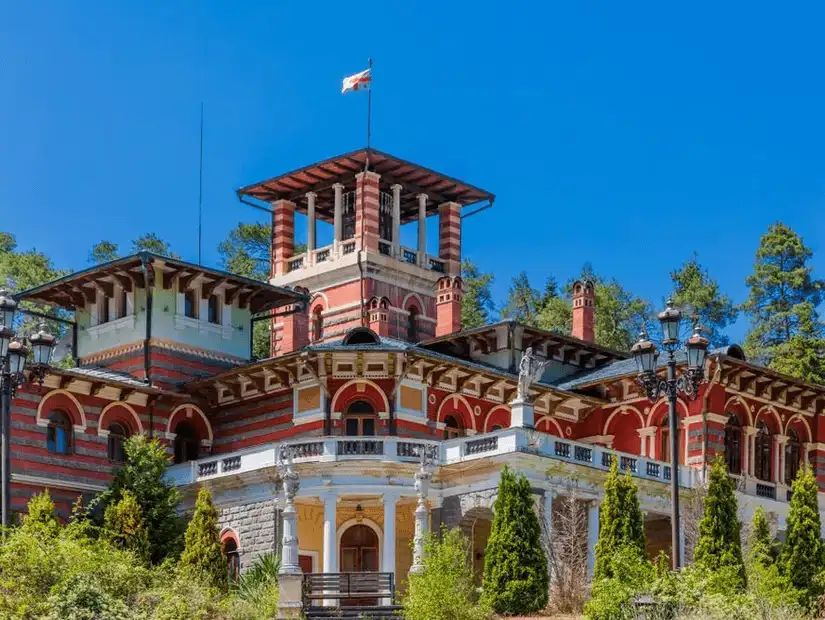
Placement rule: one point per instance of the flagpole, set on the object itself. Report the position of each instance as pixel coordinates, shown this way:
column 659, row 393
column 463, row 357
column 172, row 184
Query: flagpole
column 369, row 113
column 200, row 191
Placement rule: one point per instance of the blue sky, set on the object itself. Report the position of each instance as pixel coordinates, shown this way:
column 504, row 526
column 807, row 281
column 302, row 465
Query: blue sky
column 624, row 134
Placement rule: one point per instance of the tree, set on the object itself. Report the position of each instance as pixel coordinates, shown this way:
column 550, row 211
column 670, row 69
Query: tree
column 719, row 545
column 801, row 559
column 693, row 287
column 555, row 313
column 41, row 516
column 760, row 540
column 619, row 315
column 143, row 475
column 203, row 556
column 103, row 252
column 246, row 250
column 444, row 590
column 150, row 242
column 621, row 523
column 781, row 305
column 124, row 526
column 477, row 303
column 522, row 301
column 515, row 566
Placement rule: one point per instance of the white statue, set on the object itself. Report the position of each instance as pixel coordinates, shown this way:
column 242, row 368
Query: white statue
column 530, row 369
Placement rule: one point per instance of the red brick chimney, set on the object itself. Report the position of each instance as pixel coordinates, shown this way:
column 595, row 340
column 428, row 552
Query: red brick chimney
column 448, row 306
column 294, row 330
column 584, row 300
column 379, row 316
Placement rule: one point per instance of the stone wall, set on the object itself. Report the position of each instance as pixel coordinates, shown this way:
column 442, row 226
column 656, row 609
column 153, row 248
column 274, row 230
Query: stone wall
column 257, row 525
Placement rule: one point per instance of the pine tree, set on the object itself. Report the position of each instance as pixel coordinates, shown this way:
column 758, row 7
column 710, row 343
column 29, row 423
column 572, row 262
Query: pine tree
column 515, row 566
column 522, row 301
column 760, row 541
column 124, row 526
column 719, row 545
column 555, row 313
column 477, row 302
column 203, row 556
column 694, row 287
column 621, row 523
column 150, row 242
column 801, row 558
column 784, row 324
column 103, row 252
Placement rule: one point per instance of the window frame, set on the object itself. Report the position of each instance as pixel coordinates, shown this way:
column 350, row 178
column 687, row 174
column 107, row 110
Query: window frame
column 762, row 453
column 59, row 420
column 115, row 442
column 192, row 294
column 412, row 323
column 454, row 431
column 184, row 444
column 217, row 309
column 733, row 445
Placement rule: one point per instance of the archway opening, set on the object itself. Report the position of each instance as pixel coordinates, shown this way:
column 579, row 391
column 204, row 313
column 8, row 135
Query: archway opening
column 793, row 457
column 360, row 420
column 359, row 550
column 733, row 445
column 187, row 444
column 452, row 427
column 762, row 452
column 118, row 434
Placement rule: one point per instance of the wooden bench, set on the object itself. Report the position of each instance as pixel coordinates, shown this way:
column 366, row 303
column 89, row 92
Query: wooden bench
column 339, row 586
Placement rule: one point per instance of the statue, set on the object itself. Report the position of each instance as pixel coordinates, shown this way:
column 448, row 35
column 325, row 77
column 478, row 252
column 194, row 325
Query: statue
column 529, row 370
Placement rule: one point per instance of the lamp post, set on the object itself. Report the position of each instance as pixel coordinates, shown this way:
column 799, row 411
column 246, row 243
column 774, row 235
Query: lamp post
column 687, row 383
column 13, row 356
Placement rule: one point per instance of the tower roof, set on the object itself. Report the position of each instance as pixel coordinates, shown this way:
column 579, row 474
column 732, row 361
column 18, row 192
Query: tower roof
column 321, row 176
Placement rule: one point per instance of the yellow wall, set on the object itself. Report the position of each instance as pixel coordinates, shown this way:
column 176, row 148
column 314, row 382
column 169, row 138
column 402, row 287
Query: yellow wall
column 311, row 531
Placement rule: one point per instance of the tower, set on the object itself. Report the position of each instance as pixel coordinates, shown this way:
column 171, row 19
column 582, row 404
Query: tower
column 365, row 276
column 584, row 301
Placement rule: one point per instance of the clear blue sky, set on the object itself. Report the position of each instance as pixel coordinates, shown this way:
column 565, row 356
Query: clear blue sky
column 624, row 134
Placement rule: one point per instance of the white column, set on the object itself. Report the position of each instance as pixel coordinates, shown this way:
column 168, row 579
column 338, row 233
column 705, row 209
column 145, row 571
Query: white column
column 548, row 525
column 746, row 452
column 422, row 229
column 806, row 448
column 592, row 535
column 396, row 219
column 388, row 554
column 422, row 519
column 330, row 539
column 339, row 215
column 311, row 196
column 752, row 455
column 779, row 444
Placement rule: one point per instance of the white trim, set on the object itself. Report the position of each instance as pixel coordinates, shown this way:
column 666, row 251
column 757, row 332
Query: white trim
column 373, row 526
column 125, row 405
column 41, row 422
column 195, row 408
column 314, row 555
column 57, row 484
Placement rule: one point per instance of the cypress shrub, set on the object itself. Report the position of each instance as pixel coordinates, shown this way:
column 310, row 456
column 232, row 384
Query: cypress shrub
column 719, row 545
column 801, row 558
column 124, row 526
column 760, row 541
column 42, row 516
column 203, row 555
column 515, row 566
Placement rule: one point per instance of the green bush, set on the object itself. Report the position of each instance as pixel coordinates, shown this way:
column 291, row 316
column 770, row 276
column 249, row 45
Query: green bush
column 801, row 557
column 760, row 541
column 124, row 528
column 444, row 590
column 613, row 597
column 515, row 565
column 203, row 557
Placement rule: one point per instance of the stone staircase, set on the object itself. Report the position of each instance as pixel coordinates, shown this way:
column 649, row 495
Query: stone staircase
column 364, row 612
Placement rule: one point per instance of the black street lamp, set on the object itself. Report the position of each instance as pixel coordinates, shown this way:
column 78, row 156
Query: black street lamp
column 646, row 356
column 13, row 356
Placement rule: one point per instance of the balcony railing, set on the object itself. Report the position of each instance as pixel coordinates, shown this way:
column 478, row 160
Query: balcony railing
column 409, row 256
column 295, row 263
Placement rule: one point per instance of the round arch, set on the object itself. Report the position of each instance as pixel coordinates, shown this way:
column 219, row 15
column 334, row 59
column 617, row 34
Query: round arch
column 624, row 409
column 131, row 418
column 170, row 424
column 341, row 395
column 229, row 533
column 370, row 524
column 319, row 297
column 774, row 421
column 625, row 427
column 418, row 302
column 661, row 410
column 66, row 401
column 734, row 402
column 550, row 422
column 498, row 415
column 466, row 415
column 799, row 416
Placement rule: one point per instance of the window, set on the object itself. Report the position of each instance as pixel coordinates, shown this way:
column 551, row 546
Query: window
column 124, row 303
column 317, row 323
column 103, row 316
column 664, row 441
column 117, row 437
column 359, row 420
column 452, row 428
column 187, row 446
column 412, row 324
column 762, row 452
column 59, row 433
column 793, row 457
column 190, row 304
column 233, row 558
column 733, row 445
column 213, row 310
column 495, row 428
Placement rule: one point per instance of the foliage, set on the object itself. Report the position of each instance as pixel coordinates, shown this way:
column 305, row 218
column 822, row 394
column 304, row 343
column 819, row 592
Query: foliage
column 802, row 554
column 477, row 304
column 103, row 252
column 555, row 313
column 523, row 301
column 124, row 527
column 203, row 556
column 612, row 597
column 80, row 598
column 444, row 590
column 150, row 242
column 719, row 545
column 246, row 250
column 621, row 523
column 144, row 476
column 619, row 315
column 694, row 287
column 515, row 566
column 257, row 590
column 760, row 541
column 785, row 331
column 41, row 517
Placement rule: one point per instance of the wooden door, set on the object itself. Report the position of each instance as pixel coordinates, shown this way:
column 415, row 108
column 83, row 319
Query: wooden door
column 359, row 554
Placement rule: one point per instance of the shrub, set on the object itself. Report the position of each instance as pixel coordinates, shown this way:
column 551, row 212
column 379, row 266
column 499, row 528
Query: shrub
column 444, row 590
column 81, row 598
column 613, row 597
column 801, row 558
column 124, row 526
column 41, row 516
column 203, row 557
column 515, row 566
column 760, row 541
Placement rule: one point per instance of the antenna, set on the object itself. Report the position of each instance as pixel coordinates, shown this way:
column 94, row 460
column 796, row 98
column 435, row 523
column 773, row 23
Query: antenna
column 200, row 191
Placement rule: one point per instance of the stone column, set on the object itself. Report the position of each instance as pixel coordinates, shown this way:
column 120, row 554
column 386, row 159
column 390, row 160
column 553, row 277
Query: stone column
column 747, row 431
column 388, row 554
column 422, row 230
column 283, row 235
column 592, row 535
column 779, row 442
column 290, row 576
column 396, row 219
column 422, row 514
column 449, row 237
column 521, row 413
column 338, row 219
column 330, row 552
column 549, row 495
column 311, row 196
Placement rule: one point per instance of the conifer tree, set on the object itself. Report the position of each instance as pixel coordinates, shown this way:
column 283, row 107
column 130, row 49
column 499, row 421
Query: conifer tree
column 515, row 566
column 621, row 523
column 124, row 526
column 719, row 545
column 523, row 301
column 41, row 516
column 203, row 556
column 477, row 302
column 760, row 541
column 801, row 558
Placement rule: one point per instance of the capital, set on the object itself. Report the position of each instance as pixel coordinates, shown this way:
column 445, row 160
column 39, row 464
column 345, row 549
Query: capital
column 311, row 195
column 422, row 197
column 396, row 187
column 337, row 186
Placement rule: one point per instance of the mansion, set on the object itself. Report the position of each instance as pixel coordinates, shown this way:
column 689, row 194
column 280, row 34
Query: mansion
column 373, row 387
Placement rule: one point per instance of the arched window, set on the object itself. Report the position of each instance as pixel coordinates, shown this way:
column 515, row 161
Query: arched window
column 412, row 324
column 793, row 457
column 452, row 427
column 495, row 428
column 213, row 310
column 189, row 304
column 59, row 433
column 187, row 445
column 762, row 452
column 733, row 445
column 664, row 440
column 233, row 558
column 117, row 438
column 359, row 420
column 317, row 323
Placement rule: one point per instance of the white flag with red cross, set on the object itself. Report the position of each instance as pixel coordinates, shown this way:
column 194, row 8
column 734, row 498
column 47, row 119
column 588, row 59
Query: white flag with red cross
column 358, row 81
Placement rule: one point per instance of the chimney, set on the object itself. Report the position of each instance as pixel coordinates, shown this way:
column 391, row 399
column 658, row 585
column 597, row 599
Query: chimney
column 448, row 306
column 379, row 316
column 584, row 300
column 294, row 328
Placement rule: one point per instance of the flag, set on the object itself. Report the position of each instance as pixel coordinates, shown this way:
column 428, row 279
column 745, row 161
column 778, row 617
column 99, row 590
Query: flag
column 357, row 81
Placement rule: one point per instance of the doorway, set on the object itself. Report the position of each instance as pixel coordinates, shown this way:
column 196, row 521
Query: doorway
column 359, row 554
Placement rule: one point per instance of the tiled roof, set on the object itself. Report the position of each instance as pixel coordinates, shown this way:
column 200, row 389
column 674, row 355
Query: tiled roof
column 105, row 374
